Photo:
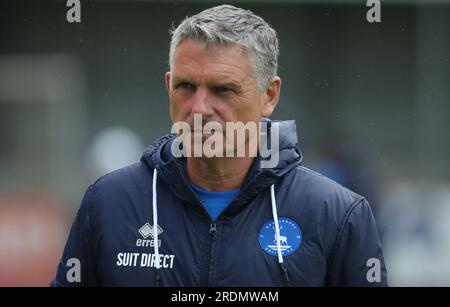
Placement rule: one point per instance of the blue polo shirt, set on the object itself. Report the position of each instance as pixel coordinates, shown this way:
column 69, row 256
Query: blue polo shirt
column 215, row 202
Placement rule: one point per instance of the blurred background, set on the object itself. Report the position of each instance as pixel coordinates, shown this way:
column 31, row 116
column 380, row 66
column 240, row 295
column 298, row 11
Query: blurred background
column 371, row 102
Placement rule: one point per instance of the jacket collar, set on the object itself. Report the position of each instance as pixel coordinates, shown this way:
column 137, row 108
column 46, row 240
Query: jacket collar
column 172, row 170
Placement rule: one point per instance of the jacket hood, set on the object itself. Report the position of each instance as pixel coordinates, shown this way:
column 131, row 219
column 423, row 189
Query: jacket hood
column 172, row 170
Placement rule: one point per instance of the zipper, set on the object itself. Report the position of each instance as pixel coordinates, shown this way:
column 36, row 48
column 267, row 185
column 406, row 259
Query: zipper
column 213, row 229
column 212, row 254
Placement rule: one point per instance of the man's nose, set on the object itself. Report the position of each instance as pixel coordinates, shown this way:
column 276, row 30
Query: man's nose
column 201, row 103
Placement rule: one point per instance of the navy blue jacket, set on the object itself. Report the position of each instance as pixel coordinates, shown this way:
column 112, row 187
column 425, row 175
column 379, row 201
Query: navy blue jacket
column 328, row 235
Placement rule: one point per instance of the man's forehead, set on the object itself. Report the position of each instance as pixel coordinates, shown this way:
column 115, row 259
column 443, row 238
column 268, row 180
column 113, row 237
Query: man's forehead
column 195, row 45
column 192, row 58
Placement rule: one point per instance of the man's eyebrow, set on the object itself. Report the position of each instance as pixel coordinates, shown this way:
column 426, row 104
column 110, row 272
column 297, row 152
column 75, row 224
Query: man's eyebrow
column 179, row 79
column 228, row 84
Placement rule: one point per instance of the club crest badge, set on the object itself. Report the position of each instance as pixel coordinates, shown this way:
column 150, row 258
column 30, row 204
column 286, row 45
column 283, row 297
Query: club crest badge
column 290, row 237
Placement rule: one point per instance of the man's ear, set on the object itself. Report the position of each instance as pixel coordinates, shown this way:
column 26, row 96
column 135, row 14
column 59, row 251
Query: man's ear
column 272, row 94
column 167, row 76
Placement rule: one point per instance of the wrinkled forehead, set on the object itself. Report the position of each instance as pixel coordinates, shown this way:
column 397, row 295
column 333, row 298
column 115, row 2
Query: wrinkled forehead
column 225, row 59
column 192, row 46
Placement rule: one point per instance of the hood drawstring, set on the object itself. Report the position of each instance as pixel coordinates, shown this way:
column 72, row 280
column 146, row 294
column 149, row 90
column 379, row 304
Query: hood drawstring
column 277, row 232
column 155, row 228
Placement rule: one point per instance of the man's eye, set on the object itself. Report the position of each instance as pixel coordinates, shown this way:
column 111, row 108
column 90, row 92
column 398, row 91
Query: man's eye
column 185, row 85
column 222, row 89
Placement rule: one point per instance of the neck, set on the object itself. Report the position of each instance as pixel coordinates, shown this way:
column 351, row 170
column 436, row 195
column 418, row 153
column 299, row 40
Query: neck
column 218, row 174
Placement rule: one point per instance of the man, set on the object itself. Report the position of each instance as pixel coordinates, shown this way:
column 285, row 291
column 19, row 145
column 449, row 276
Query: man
column 222, row 220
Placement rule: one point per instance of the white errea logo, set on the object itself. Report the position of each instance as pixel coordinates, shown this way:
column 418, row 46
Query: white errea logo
column 144, row 259
column 147, row 231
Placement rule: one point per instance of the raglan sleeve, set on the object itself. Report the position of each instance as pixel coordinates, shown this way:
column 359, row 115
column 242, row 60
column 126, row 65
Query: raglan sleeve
column 77, row 266
column 358, row 259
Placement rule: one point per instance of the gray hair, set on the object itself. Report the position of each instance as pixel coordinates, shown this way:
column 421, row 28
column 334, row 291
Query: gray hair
column 225, row 25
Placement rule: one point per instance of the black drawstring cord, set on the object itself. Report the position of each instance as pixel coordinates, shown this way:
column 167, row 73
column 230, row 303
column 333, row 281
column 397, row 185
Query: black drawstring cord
column 158, row 278
column 285, row 271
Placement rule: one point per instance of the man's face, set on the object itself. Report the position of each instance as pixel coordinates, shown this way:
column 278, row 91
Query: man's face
column 216, row 82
